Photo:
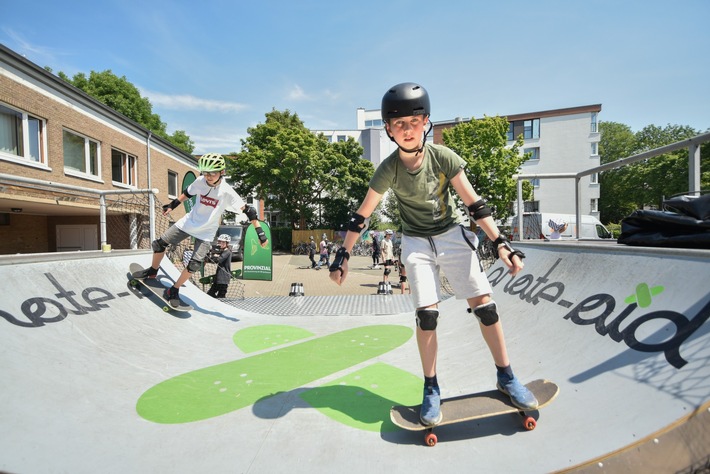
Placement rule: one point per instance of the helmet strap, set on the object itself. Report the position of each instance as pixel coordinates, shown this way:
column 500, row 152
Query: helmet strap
column 216, row 183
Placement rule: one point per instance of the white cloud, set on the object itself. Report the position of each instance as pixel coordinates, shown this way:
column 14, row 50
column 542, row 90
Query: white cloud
column 297, row 93
column 25, row 48
column 189, row 102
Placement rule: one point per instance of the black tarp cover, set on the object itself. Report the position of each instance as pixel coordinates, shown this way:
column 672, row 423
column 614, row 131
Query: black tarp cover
column 686, row 224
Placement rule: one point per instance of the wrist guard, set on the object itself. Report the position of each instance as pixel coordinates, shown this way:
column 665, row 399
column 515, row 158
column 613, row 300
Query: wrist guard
column 340, row 256
column 261, row 234
column 501, row 241
column 479, row 210
column 356, row 220
column 175, row 203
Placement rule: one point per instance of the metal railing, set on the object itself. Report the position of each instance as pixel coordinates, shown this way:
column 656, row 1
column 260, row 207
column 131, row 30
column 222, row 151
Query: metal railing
column 97, row 192
column 692, row 144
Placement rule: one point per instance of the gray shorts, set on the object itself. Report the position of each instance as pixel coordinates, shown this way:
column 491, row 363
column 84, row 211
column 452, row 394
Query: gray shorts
column 174, row 235
column 454, row 253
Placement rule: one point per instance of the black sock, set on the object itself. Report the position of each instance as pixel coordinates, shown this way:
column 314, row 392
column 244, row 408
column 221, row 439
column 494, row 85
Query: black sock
column 505, row 370
column 431, row 381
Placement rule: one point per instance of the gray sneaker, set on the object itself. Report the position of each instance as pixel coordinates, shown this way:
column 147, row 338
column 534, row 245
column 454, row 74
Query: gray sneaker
column 518, row 393
column 430, row 413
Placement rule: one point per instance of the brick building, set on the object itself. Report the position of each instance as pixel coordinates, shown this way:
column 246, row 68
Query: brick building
column 60, row 148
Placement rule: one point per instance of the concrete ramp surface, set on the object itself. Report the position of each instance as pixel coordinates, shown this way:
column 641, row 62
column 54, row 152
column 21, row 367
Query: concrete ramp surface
column 96, row 378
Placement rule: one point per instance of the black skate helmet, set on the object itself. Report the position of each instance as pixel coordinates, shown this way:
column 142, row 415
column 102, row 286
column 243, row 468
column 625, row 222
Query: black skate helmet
column 405, row 100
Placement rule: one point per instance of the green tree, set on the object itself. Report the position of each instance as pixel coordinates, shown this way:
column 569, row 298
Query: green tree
column 311, row 181
column 123, row 97
column 648, row 182
column 491, row 163
column 390, row 210
column 663, row 176
column 616, row 141
column 352, row 178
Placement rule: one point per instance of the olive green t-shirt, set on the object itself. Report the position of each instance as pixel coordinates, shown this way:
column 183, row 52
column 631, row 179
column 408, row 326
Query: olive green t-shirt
column 424, row 196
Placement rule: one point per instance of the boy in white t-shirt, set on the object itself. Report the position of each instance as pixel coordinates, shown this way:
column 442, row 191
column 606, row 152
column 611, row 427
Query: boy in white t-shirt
column 214, row 196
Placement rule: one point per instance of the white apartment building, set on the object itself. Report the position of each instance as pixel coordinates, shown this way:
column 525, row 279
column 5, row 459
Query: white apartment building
column 370, row 134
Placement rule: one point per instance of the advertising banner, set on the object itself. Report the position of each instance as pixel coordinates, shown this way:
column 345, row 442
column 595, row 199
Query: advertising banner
column 258, row 261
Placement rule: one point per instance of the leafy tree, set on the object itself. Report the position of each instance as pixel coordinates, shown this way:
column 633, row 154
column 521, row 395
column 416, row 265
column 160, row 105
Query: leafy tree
column 491, row 163
column 182, row 140
column 390, row 210
column 311, row 181
column 663, row 176
column 123, row 97
column 349, row 188
column 616, row 141
column 648, row 182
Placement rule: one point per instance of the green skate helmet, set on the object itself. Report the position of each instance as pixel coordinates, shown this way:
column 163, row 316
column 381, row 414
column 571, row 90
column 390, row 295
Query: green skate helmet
column 211, row 162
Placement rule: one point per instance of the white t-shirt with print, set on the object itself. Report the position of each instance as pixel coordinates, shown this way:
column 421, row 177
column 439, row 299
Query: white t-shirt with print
column 204, row 218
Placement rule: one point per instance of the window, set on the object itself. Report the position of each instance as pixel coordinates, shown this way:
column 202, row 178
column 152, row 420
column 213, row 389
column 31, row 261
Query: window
column 531, row 206
column 342, row 138
column 530, row 129
column 594, row 205
column 535, row 182
column 534, row 153
column 172, row 184
column 595, row 148
column 81, row 154
column 123, row 168
column 22, row 136
column 373, row 123
column 594, row 122
column 594, row 178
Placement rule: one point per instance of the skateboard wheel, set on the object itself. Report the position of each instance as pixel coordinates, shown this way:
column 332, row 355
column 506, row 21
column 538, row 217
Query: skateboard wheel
column 166, row 309
column 529, row 423
column 430, row 439
column 134, row 283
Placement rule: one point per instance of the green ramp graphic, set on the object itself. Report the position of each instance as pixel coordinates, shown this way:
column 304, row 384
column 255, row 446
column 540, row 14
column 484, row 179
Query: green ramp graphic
column 363, row 399
column 223, row 388
column 268, row 336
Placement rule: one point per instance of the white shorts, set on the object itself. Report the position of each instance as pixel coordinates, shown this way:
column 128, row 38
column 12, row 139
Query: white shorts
column 454, row 253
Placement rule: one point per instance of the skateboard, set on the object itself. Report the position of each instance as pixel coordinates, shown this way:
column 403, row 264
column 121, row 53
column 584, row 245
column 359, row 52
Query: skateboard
column 157, row 288
column 473, row 407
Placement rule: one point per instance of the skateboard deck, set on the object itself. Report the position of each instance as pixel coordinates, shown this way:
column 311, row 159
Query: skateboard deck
column 475, row 406
column 157, row 288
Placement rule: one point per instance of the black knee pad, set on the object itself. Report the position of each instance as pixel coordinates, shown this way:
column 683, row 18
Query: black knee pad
column 487, row 314
column 159, row 245
column 387, row 272
column 427, row 319
column 193, row 265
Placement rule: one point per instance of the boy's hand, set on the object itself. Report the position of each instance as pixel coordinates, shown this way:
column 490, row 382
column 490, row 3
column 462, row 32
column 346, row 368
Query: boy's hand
column 338, row 274
column 169, row 207
column 513, row 262
column 339, row 267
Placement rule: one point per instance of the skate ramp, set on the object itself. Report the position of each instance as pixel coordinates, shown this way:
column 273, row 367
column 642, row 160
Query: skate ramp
column 98, row 379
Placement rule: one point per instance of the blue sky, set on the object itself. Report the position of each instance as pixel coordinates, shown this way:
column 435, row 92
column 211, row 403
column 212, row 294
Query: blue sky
column 215, row 68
